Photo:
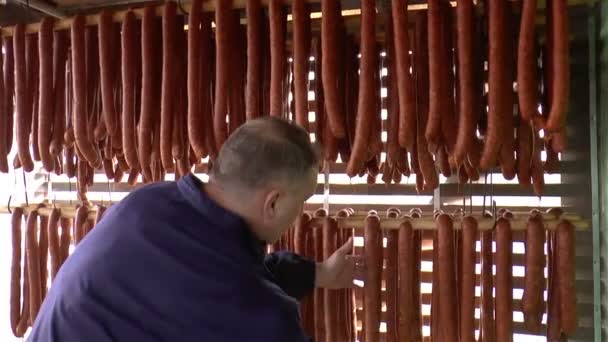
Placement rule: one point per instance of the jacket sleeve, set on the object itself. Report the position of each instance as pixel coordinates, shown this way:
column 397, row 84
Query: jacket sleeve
column 292, row 273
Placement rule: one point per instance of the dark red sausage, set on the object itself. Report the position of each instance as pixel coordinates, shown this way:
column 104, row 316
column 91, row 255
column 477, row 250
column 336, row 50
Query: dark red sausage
column 373, row 278
column 301, row 52
column 534, row 286
column 9, row 88
column 222, row 56
column 467, row 115
column 504, row 281
column 331, row 23
column 15, row 291
column 33, row 257
column 60, row 60
column 433, row 125
column 391, row 279
column 487, row 324
column 169, row 78
column 406, row 270
column 559, row 66
column 107, row 64
column 405, row 84
column 32, row 66
column 467, row 276
column 4, row 114
column 421, row 68
column 392, row 100
column 524, row 152
column 80, row 118
column 447, row 278
column 277, row 19
column 254, row 60
column 23, row 115
column 54, row 244
column 146, row 117
column 330, row 243
column 367, row 88
column 45, row 92
column 527, row 60
column 319, row 301
column 499, row 86
column 129, row 134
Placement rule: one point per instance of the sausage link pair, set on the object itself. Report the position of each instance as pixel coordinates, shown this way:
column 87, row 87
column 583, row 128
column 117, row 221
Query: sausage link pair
column 373, row 277
column 32, row 71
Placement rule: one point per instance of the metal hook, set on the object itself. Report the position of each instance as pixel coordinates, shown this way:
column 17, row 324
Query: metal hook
column 181, row 7
column 25, row 187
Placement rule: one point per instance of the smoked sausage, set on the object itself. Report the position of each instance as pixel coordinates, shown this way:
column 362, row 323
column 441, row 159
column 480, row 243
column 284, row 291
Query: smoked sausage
column 534, row 279
column 447, row 278
column 467, row 276
column 80, row 119
column 367, row 88
column 504, row 281
column 128, row 48
column 277, row 19
column 254, row 60
column 33, row 269
column 373, row 277
column 330, row 236
column 23, row 116
column 45, row 93
column 301, row 51
column 405, row 84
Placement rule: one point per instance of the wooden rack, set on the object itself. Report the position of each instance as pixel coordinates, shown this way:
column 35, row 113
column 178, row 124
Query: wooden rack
column 357, row 221
column 208, row 6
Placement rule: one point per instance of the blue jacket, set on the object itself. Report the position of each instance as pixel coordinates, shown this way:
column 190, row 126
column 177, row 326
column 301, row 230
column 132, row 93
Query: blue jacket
column 168, row 264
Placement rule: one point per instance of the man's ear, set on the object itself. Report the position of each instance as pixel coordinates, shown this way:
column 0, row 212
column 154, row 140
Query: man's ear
column 270, row 204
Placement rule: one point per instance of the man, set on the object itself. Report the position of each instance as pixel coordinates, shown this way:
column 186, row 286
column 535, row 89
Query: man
column 184, row 261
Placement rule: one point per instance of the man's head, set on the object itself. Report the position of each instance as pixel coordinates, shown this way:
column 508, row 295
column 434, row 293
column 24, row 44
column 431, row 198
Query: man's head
column 264, row 172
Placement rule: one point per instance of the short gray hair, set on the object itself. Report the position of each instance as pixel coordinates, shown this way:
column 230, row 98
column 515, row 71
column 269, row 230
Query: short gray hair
column 265, row 150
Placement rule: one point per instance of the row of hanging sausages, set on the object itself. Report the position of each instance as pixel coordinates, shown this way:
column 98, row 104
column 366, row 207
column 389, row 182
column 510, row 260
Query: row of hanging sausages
column 398, row 267
column 102, row 98
column 46, row 238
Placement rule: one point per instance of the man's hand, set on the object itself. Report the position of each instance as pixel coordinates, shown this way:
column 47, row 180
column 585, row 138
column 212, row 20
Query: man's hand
column 340, row 269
